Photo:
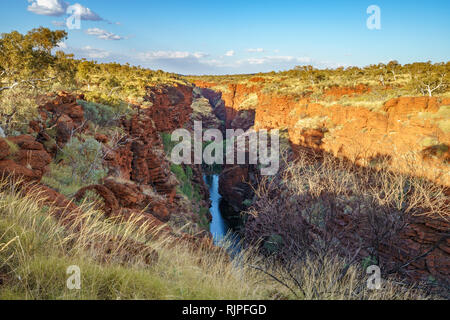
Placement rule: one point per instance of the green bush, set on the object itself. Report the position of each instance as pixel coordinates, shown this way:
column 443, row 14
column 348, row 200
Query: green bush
column 78, row 164
column 167, row 142
column 184, row 179
column 101, row 114
column 85, row 158
column 203, row 221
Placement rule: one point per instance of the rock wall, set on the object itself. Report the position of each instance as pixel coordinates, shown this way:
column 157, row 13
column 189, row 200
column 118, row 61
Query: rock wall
column 139, row 180
column 397, row 133
column 405, row 130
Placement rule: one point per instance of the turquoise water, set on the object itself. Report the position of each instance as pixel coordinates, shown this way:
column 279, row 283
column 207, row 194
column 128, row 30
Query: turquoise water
column 222, row 235
column 218, row 226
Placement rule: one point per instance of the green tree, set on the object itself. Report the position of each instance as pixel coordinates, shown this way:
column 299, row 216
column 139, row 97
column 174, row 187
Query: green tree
column 429, row 79
column 27, row 59
column 27, row 65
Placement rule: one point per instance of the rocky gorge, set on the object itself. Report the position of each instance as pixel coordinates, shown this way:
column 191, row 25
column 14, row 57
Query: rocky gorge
column 397, row 134
column 140, row 179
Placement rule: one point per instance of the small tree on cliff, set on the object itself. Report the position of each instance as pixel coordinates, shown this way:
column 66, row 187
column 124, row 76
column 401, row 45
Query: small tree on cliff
column 394, row 67
column 429, row 79
column 27, row 59
column 306, row 73
column 26, row 65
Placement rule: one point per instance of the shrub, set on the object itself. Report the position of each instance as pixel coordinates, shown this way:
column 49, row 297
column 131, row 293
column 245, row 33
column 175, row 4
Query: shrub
column 84, row 157
column 100, row 114
column 78, row 164
column 184, row 179
column 13, row 148
column 203, row 218
column 297, row 213
column 167, row 142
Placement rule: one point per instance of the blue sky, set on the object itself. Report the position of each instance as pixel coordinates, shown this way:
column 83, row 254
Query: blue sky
column 222, row 37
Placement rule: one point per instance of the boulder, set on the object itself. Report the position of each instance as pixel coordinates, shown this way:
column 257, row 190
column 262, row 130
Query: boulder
column 12, row 170
column 29, row 162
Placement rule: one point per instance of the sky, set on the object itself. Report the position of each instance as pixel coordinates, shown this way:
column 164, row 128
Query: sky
column 240, row 36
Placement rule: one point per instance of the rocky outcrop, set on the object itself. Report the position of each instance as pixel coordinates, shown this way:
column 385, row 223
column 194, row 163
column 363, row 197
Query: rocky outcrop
column 23, row 157
column 61, row 114
column 202, row 110
column 140, row 158
column 234, row 105
column 235, row 185
column 399, row 130
column 407, row 130
column 139, row 177
column 170, row 106
column 4, row 149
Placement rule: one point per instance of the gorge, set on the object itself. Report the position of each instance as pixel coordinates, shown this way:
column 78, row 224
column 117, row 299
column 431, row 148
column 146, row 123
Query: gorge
column 142, row 181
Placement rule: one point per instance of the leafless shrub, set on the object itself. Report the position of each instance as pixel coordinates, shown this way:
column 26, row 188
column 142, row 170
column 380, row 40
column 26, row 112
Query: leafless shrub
column 332, row 207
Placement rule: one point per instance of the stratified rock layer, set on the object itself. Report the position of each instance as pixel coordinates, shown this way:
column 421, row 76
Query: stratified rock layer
column 398, row 133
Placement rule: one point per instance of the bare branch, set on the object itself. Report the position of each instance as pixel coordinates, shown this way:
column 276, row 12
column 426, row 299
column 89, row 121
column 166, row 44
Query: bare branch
column 32, row 82
column 275, row 278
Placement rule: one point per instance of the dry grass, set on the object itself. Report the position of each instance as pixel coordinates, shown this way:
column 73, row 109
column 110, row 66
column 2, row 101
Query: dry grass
column 36, row 250
column 124, row 260
column 296, row 219
column 386, row 187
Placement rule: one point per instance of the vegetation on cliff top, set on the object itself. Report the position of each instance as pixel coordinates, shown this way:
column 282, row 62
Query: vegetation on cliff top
column 35, row 250
column 31, row 65
column 369, row 86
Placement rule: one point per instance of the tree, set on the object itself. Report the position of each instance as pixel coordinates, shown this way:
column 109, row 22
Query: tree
column 85, row 71
column 428, row 78
column 307, row 73
column 26, row 64
column 393, row 67
column 27, row 59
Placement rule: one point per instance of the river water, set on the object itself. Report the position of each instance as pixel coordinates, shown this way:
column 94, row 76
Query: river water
column 222, row 234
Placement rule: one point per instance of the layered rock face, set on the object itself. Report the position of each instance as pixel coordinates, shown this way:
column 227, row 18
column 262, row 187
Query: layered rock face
column 140, row 157
column 406, row 130
column 235, row 106
column 171, row 106
column 139, row 181
column 398, row 133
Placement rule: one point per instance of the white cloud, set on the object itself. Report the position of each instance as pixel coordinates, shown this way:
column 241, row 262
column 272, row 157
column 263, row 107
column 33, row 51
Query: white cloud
column 84, row 13
column 170, row 55
column 86, row 52
column 229, row 53
column 103, row 34
column 255, row 50
column 48, row 7
column 93, row 53
column 275, row 59
column 254, row 60
column 59, row 8
column 200, row 55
